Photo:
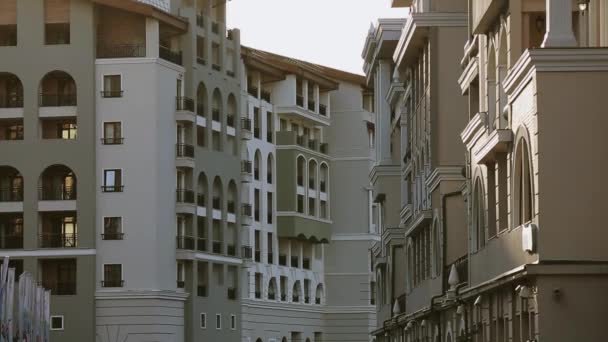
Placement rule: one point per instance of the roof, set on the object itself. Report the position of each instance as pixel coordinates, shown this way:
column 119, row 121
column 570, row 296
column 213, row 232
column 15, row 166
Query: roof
column 148, row 10
column 299, row 67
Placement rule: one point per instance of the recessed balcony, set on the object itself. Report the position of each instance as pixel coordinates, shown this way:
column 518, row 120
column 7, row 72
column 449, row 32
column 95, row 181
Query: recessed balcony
column 169, row 55
column 185, row 243
column 11, row 96
column 57, row 97
column 184, row 196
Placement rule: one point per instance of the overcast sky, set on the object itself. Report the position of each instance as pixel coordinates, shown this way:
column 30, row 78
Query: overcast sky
column 327, row 32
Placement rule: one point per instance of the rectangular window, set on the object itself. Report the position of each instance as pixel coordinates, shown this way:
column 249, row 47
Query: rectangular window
column 66, row 130
column 311, row 207
column 112, row 228
column 218, row 321
column 112, row 86
column 14, row 131
column 112, row 180
column 57, row 323
column 112, row 276
column 301, row 204
column 203, row 321
column 112, row 133
column 233, row 322
column 57, row 22
column 8, row 23
column 283, row 125
column 59, row 276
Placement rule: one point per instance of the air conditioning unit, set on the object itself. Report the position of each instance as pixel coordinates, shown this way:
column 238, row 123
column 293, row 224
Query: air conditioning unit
column 529, row 237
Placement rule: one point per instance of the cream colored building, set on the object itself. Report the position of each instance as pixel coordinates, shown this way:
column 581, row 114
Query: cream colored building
column 527, row 133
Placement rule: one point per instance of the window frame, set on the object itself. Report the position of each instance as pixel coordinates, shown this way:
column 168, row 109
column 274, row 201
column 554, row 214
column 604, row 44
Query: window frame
column 115, row 187
column 232, row 322
column 218, row 321
column 103, row 224
column 103, row 273
column 203, row 320
column 62, row 323
column 115, row 138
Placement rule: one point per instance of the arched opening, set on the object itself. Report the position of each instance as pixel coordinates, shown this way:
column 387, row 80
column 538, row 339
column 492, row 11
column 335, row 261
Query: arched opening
column 492, row 88
column 297, row 292
column 410, row 266
column 216, row 108
column 502, row 70
column 201, row 100
column 57, row 89
column 300, row 170
column 479, row 214
column 11, row 91
column 11, row 184
column 57, row 183
column 523, row 191
column 258, row 340
column 270, row 169
column 232, row 196
column 272, row 289
column 324, row 189
column 319, row 294
column 202, row 190
column 312, row 186
column 324, row 178
column 257, row 165
column 217, row 193
column 284, row 339
column 232, row 110
column 436, row 250
column 448, row 337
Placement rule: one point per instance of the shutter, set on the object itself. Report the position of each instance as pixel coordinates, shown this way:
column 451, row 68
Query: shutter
column 56, row 11
column 8, row 12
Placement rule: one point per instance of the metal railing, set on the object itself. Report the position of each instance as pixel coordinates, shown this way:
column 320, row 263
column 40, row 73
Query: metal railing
column 112, row 236
column 11, row 241
column 121, row 51
column 57, row 100
column 112, row 283
column 184, row 151
column 300, row 140
column 12, row 101
column 174, row 57
column 112, row 141
column 312, row 144
column 13, row 194
column 216, row 67
column 247, row 210
column 57, row 240
column 230, row 73
column 201, row 244
column 253, row 91
column 217, row 247
column 184, row 103
column 112, row 188
column 111, row 93
column 247, row 252
column 60, row 288
column 57, row 193
column 185, row 242
column 266, row 95
column 462, row 267
column 184, row 196
column 311, row 105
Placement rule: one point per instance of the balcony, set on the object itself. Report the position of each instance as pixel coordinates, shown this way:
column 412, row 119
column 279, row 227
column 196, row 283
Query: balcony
column 266, row 96
column 58, row 192
column 184, row 104
column 216, row 67
column 201, row 60
column 112, row 236
column 217, row 247
column 247, row 252
column 200, row 200
column 58, row 240
column 184, row 151
column 112, row 188
column 11, row 129
column 185, row 243
column 174, row 57
column 201, row 291
column 306, row 263
column 11, row 194
column 11, row 101
column 231, row 293
column 184, row 196
column 121, row 51
column 311, row 105
column 462, row 268
column 246, row 124
column 253, row 91
column 57, row 100
column 201, row 244
column 300, row 101
column 59, row 276
column 11, row 241
column 112, row 283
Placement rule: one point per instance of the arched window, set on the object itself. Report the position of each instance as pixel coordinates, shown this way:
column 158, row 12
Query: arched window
column 436, row 250
column 312, row 174
column 272, row 289
column 410, row 265
column 522, row 170
column 217, row 194
column 502, row 74
column 492, row 86
column 270, row 169
column 216, row 109
column 479, row 221
column 324, row 178
column 257, row 165
column 297, row 292
column 300, row 172
column 232, row 196
column 11, row 91
column 319, row 294
column 57, row 89
column 202, row 190
column 57, row 182
column 232, row 111
column 11, row 184
column 201, row 100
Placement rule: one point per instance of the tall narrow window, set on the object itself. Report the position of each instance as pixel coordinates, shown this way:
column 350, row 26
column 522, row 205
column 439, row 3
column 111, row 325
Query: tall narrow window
column 112, row 86
column 479, row 215
column 523, row 185
column 57, row 22
column 112, row 276
column 112, row 228
column 8, row 23
column 112, row 180
column 218, row 321
column 112, row 133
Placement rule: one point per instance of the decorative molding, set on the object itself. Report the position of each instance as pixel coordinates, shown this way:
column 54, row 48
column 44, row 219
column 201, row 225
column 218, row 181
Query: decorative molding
column 442, row 174
column 384, row 171
column 141, row 294
column 355, row 237
column 50, row 252
column 304, row 150
column 394, row 91
column 423, row 216
column 468, row 75
column 498, row 141
column 187, row 255
column 474, row 129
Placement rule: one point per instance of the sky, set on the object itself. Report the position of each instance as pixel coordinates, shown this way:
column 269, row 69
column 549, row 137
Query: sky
column 326, row 32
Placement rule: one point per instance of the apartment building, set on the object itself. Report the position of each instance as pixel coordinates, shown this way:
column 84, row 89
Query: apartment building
column 471, row 259
column 302, row 174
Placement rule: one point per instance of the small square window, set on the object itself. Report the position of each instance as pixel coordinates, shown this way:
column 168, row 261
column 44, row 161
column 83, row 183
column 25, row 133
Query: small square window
column 112, row 86
column 112, row 133
column 218, row 321
column 112, row 276
column 203, row 321
column 112, row 180
column 233, row 322
column 112, row 228
column 56, row 322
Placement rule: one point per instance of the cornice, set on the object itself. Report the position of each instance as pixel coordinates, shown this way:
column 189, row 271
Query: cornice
column 141, row 294
column 468, row 75
column 474, row 129
column 442, row 174
column 384, row 171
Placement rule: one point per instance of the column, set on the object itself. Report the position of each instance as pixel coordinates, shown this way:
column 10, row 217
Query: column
column 383, row 131
column 559, row 24
column 152, row 37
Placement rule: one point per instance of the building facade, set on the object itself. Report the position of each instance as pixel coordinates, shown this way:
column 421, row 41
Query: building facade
column 474, row 257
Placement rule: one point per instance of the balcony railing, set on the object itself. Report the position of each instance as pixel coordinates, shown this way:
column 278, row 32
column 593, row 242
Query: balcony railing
column 462, row 267
column 230, row 73
column 300, row 140
column 282, row 260
column 112, row 283
column 184, row 151
column 266, row 95
column 217, row 205
column 230, row 120
column 57, row 240
column 201, row 60
column 174, row 57
column 215, row 114
column 57, row 100
column 111, row 93
column 247, row 252
column 57, row 193
column 12, row 101
column 112, row 236
column 247, row 210
column 216, row 67
column 217, row 247
column 200, row 21
column 201, row 244
column 11, row 241
column 121, row 51
column 311, row 105
column 201, row 290
column 184, row 196
column 112, row 141
column 322, row 109
column 231, row 293
column 231, row 207
column 312, row 144
column 231, row 250
column 112, row 188
column 200, row 200
column 300, row 100
column 185, row 242
column 11, row 194
column 253, row 91
column 246, row 124
column 306, row 263
column 184, row 103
